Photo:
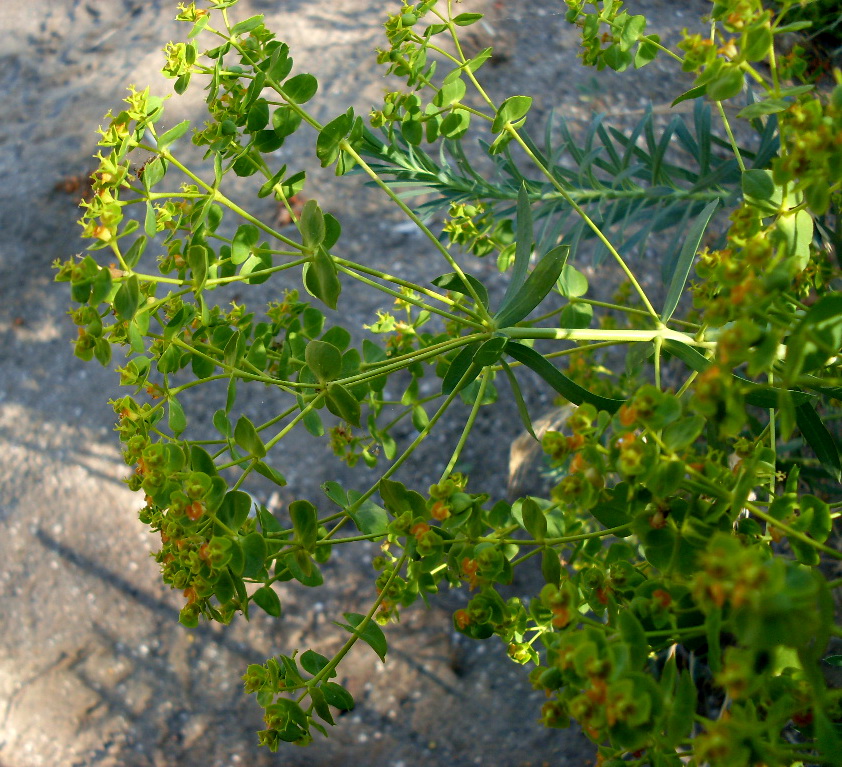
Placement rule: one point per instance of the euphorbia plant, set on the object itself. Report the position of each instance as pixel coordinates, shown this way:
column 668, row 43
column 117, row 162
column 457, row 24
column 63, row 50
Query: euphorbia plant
column 684, row 614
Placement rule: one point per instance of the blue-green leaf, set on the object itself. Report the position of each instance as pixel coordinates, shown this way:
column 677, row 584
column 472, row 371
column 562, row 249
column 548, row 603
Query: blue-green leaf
column 560, row 382
column 523, row 244
column 535, row 289
column 685, row 259
column 819, row 438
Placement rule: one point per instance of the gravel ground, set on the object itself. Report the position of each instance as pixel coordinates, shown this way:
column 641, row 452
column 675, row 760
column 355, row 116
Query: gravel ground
column 94, row 668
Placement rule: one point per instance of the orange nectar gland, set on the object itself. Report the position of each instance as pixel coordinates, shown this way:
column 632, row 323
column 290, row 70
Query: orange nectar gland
column 462, row 619
column 191, row 595
column 440, row 511
column 418, row 530
column 470, row 567
column 561, row 616
column 194, row 511
column 627, row 415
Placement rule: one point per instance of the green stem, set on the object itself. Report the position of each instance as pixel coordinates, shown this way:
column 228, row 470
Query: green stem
column 352, row 640
column 313, row 403
column 387, row 190
column 469, row 425
column 790, row 532
column 619, row 336
column 223, row 200
column 404, row 284
column 734, row 147
column 408, row 299
column 512, row 131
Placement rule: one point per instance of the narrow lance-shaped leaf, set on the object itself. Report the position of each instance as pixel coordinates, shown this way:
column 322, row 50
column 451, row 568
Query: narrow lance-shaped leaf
column 560, row 382
column 522, row 410
column 523, row 245
column 819, row 438
column 685, row 260
column 535, row 289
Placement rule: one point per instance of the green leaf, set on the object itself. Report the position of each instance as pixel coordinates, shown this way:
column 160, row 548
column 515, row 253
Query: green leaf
column 320, row 705
column 177, row 421
column 461, row 365
column 523, row 244
column 343, row 404
column 455, row 125
column 575, row 315
column 630, row 31
column 634, row 638
column 197, row 260
column 234, row 510
column 451, row 92
column 313, row 662
column 683, row 433
column 680, row 717
column 254, row 269
column 324, row 359
column 312, row 225
column 398, row 499
column 693, row 93
column 301, row 88
column 522, row 410
column 761, row 191
column 266, row 599
column 258, row 116
column 235, row 565
column 247, row 25
column 303, row 570
column 535, row 289
column 550, row 566
column 127, row 298
column 246, row 436
column 819, row 438
column 371, row 633
column 511, row 110
column 369, row 518
column 571, row 282
column 685, row 260
column 254, row 551
column 797, row 231
column 224, row 587
column 466, row 19
column 320, row 279
column 200, row 460
column 727, row 84
column 337, row 696
column 454, row 283
column 489, row 351
column 285, row 121
column 265, row 470
column 133, row 254
column 330, row 137
column 817, row 337
column 647, row 51
column 558, row 381
column 304, row 523
column 534, row 521
column 768, row 106
column 173, row 134
column 153, row 172
column 245, row 238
